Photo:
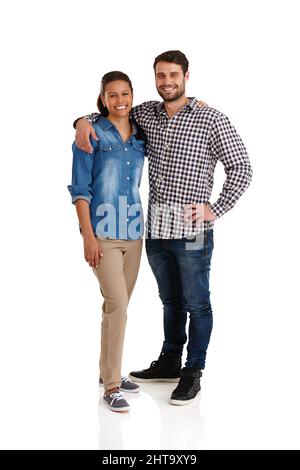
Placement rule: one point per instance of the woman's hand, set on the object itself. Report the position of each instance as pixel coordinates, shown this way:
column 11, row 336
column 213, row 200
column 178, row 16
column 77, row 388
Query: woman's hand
column 92, row 251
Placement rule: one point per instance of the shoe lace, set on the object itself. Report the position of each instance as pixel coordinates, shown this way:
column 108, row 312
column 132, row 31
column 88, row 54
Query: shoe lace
column 125, row 379
column 116, row 396
column 154, row 364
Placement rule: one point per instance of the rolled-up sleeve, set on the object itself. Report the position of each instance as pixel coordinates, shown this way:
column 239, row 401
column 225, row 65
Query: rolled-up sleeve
column 81, row 187
column 228, row 147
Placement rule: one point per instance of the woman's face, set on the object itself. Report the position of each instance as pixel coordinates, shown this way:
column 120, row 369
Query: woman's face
column 117, row 98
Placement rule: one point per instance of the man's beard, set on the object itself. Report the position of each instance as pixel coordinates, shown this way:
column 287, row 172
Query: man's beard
column 174, row 97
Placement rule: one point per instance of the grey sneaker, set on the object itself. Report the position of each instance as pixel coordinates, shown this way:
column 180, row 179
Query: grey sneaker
column 126, row 385
column 116, row 402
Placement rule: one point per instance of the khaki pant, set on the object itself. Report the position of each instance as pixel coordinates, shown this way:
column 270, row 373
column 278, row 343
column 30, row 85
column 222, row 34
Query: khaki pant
column 116, row 273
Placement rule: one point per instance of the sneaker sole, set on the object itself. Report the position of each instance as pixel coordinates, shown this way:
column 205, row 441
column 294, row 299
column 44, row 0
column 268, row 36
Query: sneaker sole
column 125, row 390
column 137, row 379
column 118, row 410
column 182, row 402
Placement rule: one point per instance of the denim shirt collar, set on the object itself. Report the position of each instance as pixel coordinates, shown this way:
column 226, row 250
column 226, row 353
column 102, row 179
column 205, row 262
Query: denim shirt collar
column 106, row 124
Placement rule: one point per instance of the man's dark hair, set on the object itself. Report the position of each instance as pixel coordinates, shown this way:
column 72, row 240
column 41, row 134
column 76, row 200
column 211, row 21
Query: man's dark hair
column 175, row 57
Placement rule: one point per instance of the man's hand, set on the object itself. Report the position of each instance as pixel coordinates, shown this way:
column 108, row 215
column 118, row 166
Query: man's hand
column 92, row 251
column 198, row 212
column 85, row 130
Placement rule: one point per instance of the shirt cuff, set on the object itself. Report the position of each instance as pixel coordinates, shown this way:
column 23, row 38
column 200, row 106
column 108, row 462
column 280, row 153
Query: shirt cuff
column 86, row 198
column 217, row 209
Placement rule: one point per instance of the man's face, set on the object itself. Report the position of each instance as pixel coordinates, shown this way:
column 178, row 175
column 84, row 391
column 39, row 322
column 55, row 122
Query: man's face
column 170, row 81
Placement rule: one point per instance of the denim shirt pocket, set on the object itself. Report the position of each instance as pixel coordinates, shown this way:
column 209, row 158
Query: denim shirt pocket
column 109, row 149
column 139, row 154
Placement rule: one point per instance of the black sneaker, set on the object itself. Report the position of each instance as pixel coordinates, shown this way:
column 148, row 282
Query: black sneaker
column 188, row 387
column 165, row 369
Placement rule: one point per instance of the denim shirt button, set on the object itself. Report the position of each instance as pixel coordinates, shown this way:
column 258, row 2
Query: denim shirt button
column 128, row 163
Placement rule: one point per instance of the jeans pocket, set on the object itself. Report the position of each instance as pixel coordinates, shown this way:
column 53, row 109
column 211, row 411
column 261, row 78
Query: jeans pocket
column 208, row 242
column 205, row 243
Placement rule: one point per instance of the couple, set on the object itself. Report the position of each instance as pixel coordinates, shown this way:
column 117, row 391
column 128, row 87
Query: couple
column 183, row 141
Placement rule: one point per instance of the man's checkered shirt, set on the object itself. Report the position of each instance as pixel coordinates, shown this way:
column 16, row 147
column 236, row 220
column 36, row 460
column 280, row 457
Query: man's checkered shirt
column 183, row 152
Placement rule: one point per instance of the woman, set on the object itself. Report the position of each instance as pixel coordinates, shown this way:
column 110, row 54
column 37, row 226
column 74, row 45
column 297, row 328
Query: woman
column 105, row 191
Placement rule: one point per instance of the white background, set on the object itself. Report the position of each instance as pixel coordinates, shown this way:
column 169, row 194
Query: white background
column 244, row 61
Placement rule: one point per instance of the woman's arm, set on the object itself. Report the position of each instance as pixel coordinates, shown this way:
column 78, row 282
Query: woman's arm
column 92, row 249
column 81, row 191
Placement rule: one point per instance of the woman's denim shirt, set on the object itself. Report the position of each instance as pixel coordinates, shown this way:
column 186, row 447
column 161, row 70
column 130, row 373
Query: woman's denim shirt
column 109, row 179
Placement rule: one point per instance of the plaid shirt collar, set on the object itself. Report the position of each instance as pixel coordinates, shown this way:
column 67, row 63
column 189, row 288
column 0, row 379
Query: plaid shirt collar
column 192, row 105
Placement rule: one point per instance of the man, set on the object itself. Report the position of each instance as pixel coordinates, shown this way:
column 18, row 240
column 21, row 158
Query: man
column 185, row 142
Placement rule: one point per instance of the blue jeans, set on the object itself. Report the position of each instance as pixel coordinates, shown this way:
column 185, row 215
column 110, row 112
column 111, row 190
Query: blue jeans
column 181, row 268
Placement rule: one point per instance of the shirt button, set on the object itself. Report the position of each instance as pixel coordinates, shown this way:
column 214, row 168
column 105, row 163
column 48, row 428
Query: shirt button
column 128, row 177
column 127, row 205
column 109, row 148
column 126, row 150
column 128, row 163
column 127, row 220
